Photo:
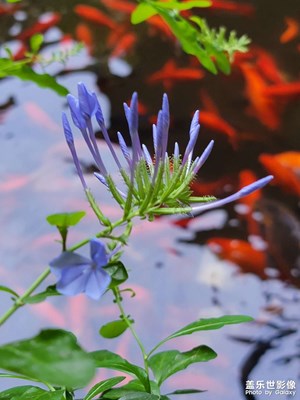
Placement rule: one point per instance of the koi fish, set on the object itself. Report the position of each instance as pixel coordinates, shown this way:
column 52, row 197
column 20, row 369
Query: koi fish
column 262, row 107
column 217, row 123
column 267, row 66
column 156, row 23
column 283, row 90
column 93, row 14
column 290, row 159
column 44, row 23
column 170, row 73
column 119, row 5
column 213, row 188
column 84, row 34
column 244, row 9
column 240, row 253
column 125, row 44
column 291, row 31
column 284, row 176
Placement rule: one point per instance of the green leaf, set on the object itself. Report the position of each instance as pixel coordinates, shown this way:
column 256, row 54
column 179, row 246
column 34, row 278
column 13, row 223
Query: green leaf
column 8, row 290
column 139, row 396
column 141, row 13
column 64, row 220
column 110, row 360
column 31, row 393
column 52, row 356
column 167, row 363
column 174, row 5
column 39, row 297
column 113, row 329
column 210, row 324
column 131, row 387
column 22, row 71
column 102, row 386
column 118, row 273
column 35, row 42
column 186, row 391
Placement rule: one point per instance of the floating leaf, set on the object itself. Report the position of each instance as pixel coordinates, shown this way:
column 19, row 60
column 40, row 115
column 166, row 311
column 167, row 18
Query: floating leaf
column 110, row 360
column 103, row 386
column 64, row 220
column 167, row 363
column 52, row 356
column 113, row 329
column 8, row 290
column 31, row 393
column 39, row 297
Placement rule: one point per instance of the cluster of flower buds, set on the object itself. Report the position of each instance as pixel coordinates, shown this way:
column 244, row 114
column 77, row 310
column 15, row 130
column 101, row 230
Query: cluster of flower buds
column 158, row 184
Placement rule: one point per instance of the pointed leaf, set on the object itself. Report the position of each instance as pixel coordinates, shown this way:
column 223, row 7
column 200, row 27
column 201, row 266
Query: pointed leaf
column 8, row 290
column 64, row 220
column 103, row 386
column 141, row 13
column 167, row 363
column 139, row 396
column 174, row 5
column 36, row 41
column 39, row 297
column 52, row 356
column 108, row 359
column 131, row 387
column 186, row 391
column 118, row 273
column 210, row 324
column 31, row 393
column 113, row 329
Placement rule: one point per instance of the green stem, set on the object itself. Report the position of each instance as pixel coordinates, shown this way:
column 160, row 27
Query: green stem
column 20, row 300
column 118, row 300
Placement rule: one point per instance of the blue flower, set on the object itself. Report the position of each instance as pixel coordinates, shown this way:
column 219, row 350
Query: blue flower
column 77, row 274
column 158, row 184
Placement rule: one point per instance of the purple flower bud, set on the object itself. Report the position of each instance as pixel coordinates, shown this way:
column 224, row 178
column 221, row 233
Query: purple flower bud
column 204, row 156
column 76, row 115
column 67, row 129
column 87, row 101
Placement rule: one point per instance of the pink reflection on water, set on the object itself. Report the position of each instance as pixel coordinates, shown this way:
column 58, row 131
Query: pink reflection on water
column 40, row 117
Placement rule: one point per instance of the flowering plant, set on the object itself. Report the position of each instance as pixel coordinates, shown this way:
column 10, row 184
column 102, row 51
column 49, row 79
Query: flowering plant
column 152, row 186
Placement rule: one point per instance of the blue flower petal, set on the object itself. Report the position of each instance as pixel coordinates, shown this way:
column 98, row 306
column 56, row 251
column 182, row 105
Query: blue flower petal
column 68, row 260
column 97, row 283
column 73, row 280
column 98, row 252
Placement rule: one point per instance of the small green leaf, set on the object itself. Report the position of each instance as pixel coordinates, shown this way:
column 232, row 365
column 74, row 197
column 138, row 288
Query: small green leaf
column 52, row 356
column 39, row 297
column 31, row 393
column 113, row 329
column 167, row 363
column 103, row 386
column 64, row 220
column 131, row 387
column 186, row 391
column 35, row 42
column 118, row 273
column 174, row 5
column 139, row 396
column 110, row 360
column 8, row 290
column 141, row 13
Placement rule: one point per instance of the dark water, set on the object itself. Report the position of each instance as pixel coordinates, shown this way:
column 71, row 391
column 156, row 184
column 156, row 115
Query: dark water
column 176, row 276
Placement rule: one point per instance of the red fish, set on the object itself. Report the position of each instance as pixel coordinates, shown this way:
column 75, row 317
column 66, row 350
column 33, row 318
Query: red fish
column 241, row 253
column 262, row 107
column 233, row 7
column 93, row 14
column 21, row 52
column 290, row 159
column 212, row 188
column 41, row 26
column 267, row 66
column 119, row 5
column 84, row 34
column 283, row 90
column 291, row 31
column 284, row 176
column 170, row 73
column 8, row 9
column 217, row 123
column 124, row 45
column 158, row 24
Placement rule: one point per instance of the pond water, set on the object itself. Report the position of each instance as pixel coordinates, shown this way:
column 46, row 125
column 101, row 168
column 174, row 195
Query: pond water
column 243, row 259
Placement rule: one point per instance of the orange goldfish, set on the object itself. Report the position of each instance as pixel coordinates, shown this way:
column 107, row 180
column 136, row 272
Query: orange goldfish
column 84, row 34
column 93, row 14
column 124, row 45
column 284, row 176
column 291, row 31
column 170, row 73
column 158, row 24
column 290, row 159
column 233, row 7
column 241, row 253
column 283, row 90
column 263, row 107
column 119, row 5
column 40, row 26
column 267, row 66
